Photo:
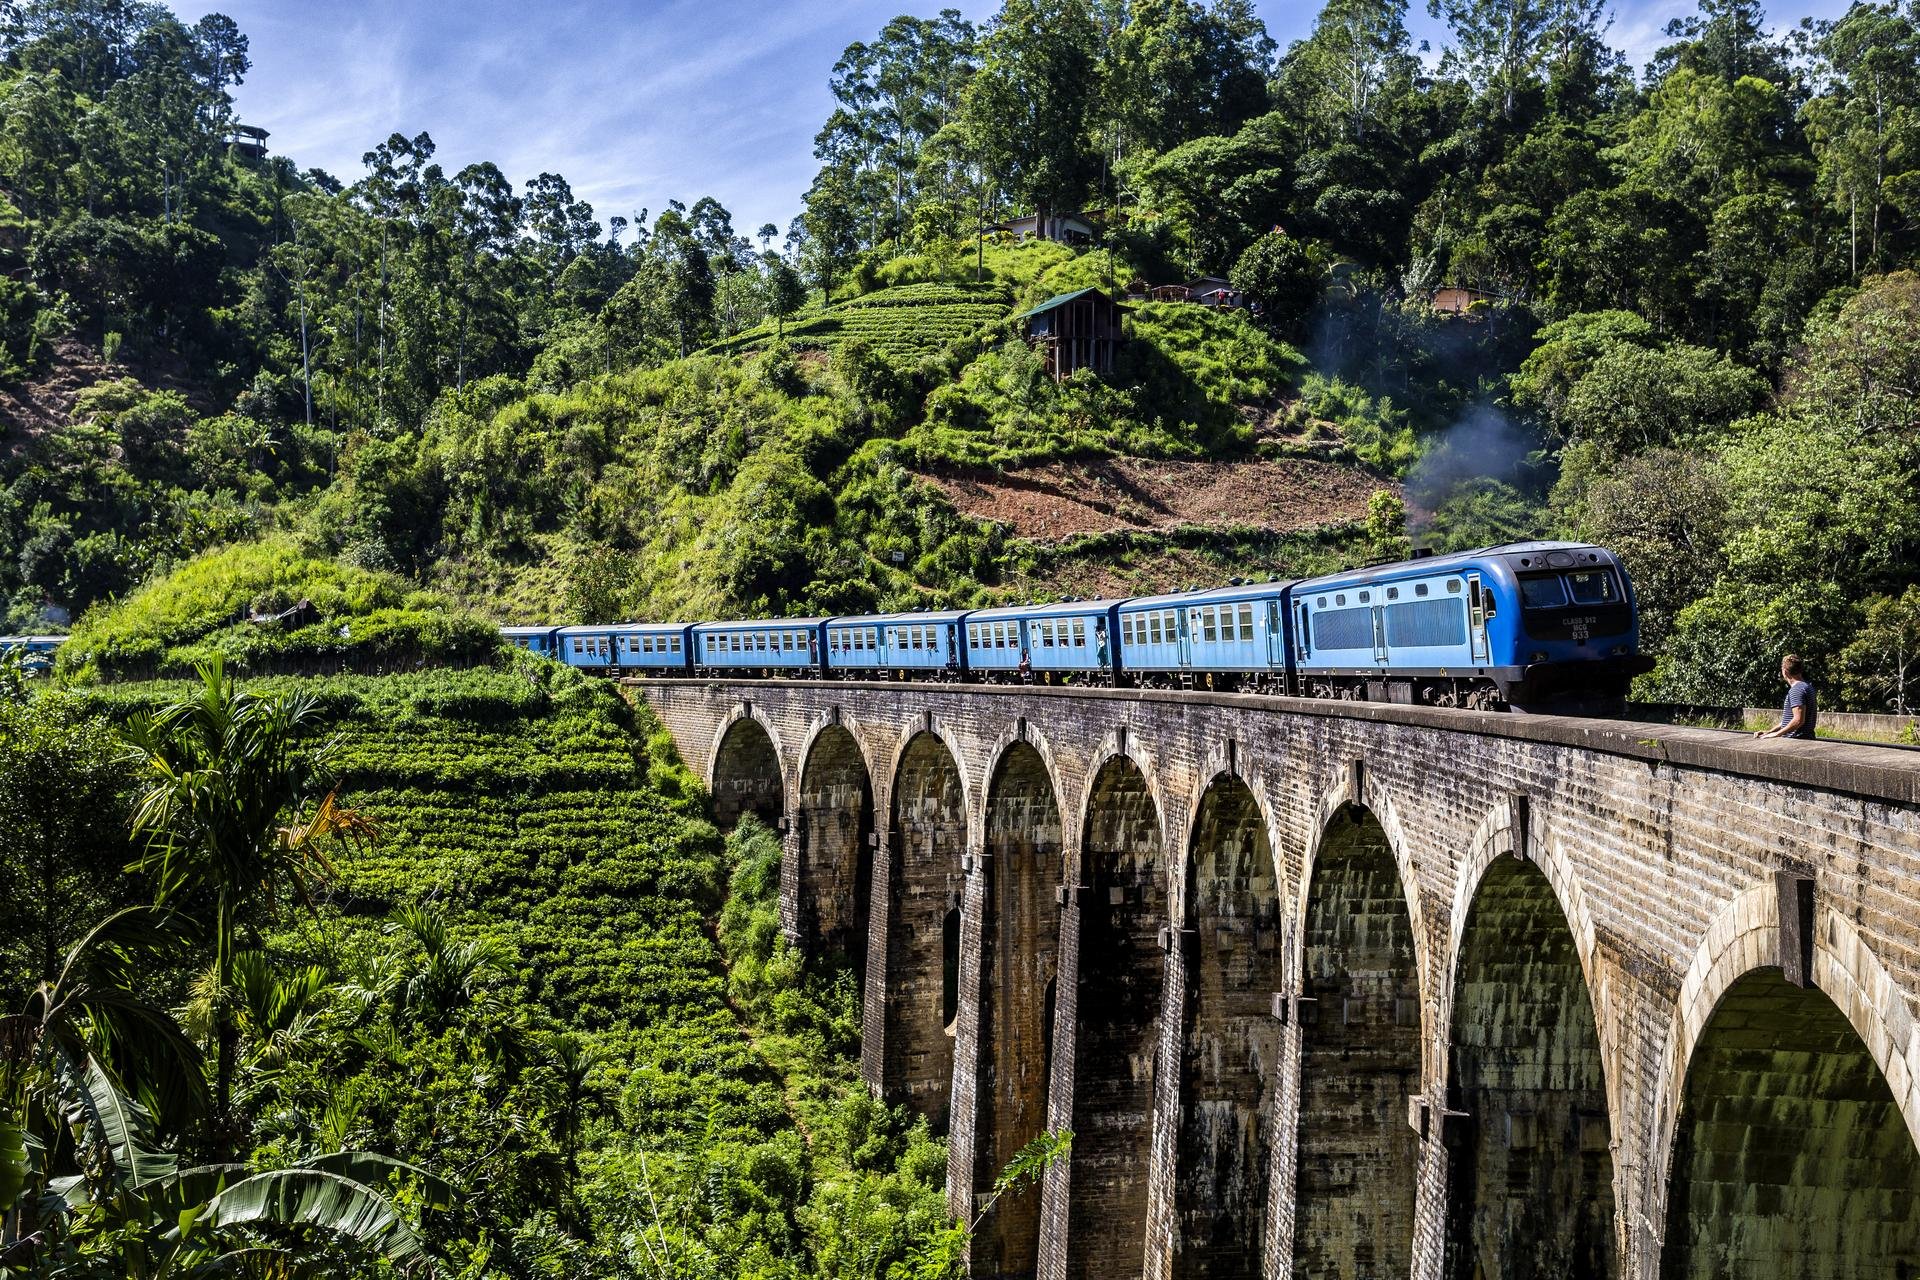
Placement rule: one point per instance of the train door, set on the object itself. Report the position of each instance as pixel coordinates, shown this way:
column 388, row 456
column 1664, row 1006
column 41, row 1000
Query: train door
column 1379, row 635
column 1276, row 640
column 1476, row 617
column 1182, row 622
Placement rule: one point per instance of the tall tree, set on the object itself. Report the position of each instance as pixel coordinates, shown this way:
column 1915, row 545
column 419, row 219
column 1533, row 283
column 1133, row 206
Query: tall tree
column 1031, row 106
column 1187, row 70
column 1499, row 44
column 1337, row 76
column 1865, row 128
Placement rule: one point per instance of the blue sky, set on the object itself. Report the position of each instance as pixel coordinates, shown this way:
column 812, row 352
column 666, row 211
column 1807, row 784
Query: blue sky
column 636, row 102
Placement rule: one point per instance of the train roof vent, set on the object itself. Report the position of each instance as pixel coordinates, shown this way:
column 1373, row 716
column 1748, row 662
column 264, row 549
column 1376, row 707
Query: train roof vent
column 1236, row 582
column 1423, row 553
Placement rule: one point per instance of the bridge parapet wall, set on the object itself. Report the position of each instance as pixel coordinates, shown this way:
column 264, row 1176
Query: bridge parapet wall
column 1679, row 859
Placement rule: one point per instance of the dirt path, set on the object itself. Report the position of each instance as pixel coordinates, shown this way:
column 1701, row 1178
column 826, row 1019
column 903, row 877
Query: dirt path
column 1066, row 499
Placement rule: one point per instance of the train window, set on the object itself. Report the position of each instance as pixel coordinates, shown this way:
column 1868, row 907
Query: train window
column 1246, row 623
column 1079, row 633
column 1366, row 597
column 1419, row 588
column 1453, row 586
column 646, row 644
column 674, row 643
column 1542, row 592
column 1339, row 599
column 1393, row 593
column 1594, row 586
column 1486, row 599
column 1046, row 635
column 1208, row 629
column 1321, row 603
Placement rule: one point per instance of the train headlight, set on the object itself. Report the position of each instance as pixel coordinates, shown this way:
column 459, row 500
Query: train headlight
column 1537, row 657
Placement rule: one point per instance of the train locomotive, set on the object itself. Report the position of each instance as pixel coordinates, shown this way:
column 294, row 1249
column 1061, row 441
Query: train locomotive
column 1531, row 626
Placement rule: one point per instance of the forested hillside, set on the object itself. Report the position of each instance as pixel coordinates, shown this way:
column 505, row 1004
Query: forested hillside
column 1677, row 317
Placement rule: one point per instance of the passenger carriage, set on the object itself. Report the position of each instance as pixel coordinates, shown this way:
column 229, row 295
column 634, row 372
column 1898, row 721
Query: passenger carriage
column 1228, row 637
column 906, row 645
column 1070, row 640
column 664, row 648
column 590, row 648
column 779, row 646
column 1531, row 625
column 540, row 640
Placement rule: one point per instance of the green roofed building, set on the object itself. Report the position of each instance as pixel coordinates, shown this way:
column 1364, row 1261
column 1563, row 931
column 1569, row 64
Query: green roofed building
column 1078, row 330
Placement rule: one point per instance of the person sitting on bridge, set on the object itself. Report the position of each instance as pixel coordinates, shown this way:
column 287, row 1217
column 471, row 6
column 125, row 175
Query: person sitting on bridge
column 1800, row 714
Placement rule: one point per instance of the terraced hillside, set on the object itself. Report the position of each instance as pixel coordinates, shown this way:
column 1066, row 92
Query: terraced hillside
column 590, row 911
column 902, row 323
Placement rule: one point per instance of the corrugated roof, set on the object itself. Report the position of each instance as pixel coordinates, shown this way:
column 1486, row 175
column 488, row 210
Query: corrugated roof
column 1060, row 299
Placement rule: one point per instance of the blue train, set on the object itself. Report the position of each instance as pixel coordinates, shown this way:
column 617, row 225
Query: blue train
column 1535, row 626
column 36, row 652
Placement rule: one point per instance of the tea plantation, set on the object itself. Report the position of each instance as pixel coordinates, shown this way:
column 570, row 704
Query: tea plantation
column 902, row 323
column 591, row 1025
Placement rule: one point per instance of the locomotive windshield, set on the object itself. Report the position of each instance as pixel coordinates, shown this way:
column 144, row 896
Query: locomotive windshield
column 1592, row 586
column 1542, row 591
column 1557, row 591
column 1574, row 605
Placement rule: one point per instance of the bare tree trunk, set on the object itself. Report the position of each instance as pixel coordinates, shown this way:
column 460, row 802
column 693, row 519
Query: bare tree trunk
column 306, row 355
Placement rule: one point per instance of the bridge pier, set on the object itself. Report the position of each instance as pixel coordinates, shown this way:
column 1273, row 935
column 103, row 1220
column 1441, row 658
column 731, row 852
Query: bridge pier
column 1537, row 977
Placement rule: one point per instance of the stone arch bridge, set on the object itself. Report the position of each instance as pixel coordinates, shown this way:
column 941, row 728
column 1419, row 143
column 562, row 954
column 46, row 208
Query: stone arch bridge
column 1341, row 990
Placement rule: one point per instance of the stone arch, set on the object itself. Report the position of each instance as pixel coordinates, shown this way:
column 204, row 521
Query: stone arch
column 927, row 847
column 1530, row 1165
column 928, row 726
column 1752, row 1136
column 746, row 768
column 1121, row 744
column 834, row 827
column 1369, row 794
column 1356, row 1185
column 1231, row 1042
column 1021, row 733
column 1024, row 865
column 1501, row 833
column 1122, row 966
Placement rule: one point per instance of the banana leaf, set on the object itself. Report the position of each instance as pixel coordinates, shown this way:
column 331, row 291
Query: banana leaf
column 318, row 1199
column 371, row 1169
column 113, row 1128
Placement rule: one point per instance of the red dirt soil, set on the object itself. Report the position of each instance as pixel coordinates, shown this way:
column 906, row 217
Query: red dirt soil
column 46, row 400
column 1066, row 499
